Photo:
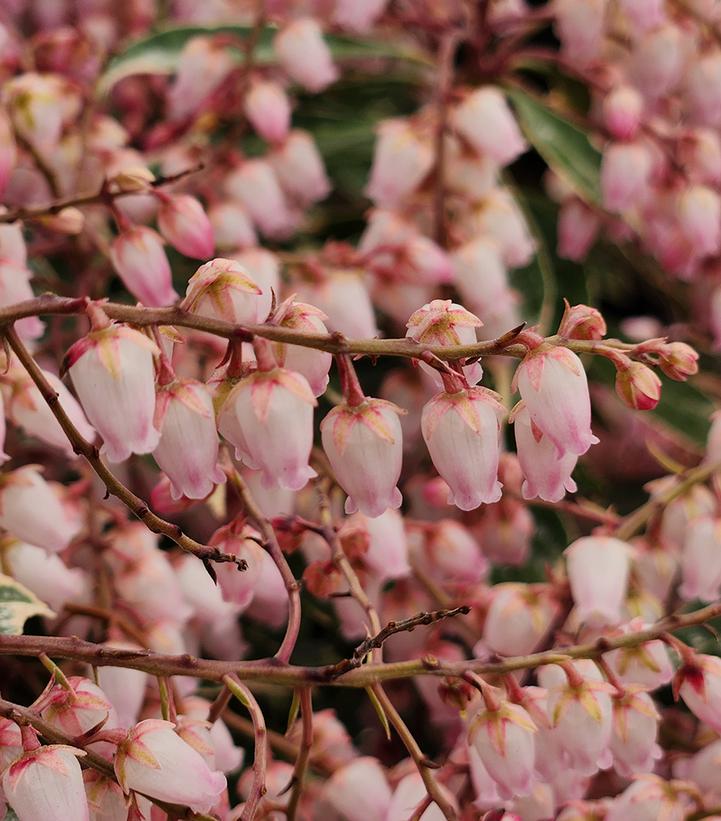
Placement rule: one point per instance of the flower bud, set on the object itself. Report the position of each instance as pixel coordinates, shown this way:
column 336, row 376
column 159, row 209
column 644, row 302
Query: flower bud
column 622, row 111
column 239, row 540
column 139, row 258
column 24, row 492
column 222, row 289
column 47, row 783
column 638, row 386
column 344, row 298
column 268, row 417
column 699, row 214
column 646, row 665
column 678, row 361
column 582, row 322
column 386, row 553
column 658, row 61
column 518, row 618
column 77, row 711
column 298, row 165
column 255, row 185
column 402, row 158
column 70, row 221
column 358, row 791
column 598, row 570
column 485, row 122
column 578, row 227
column 232, row 227
column 153, row 760
column 185, row 225
column 188, row 446
column 364, row 445
column 113, row 374
column 625, row 175
column 449, row 553
column 268, row 109
column 312, row 364
column 132, row 179
column 304, row 54
column 462, row 434
column 203, row 64
column 480, row 273
column 554, row 387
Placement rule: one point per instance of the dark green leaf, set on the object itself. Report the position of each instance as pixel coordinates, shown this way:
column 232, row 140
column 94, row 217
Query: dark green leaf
column 564, row 146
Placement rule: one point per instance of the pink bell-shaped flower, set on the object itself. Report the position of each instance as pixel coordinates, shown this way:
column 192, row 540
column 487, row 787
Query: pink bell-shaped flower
column 343, row 296
column 578, row 227
column 240, row 540
column 139, row 258
column 268, row 417
column 185, row 225
column 547, row 475
column 113, row 375
column 23, row 493
column 518, row 618
column 402, row 158
column 106, row 799
column 387, row 553
column 155, row 761
column 635, row 727
column 232, row 226
column 698, row 682
column 255, row 185
column 650, row 798
column 47, row 575
column 462, row 433
column 701, row 560
column 268, row 109
column 304, row 54
column 299, row 167
column 622, row 112
column 15, row 287
column 449, row 553
column 363, row 441
column 647, row 665
column 223, row 289
column 312, row 364
column 485, row 122
column 625, row 176
column 202, row 66
column 188, row 446
column 77, row 711
column 503, row 736
column 358, row 791
column 358, row 17
column 124, row 687
column 45, row 783
column 598, row 570
column 699, row 214
column 554, row 387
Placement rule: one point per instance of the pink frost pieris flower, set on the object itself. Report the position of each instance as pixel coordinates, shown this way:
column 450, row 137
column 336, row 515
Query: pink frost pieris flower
column 402, row 158
column 45, row 574
column 185, row 225
column 519, row 616
column 202, row 67
column 622, row 111
column 635, row 727
column 503, row 737
column 299, row 167
column 255, row 185
column 113, row 375
column 701, row 560
column 547, row 474
column 222, row 289
column 268, row 417
column 358, row 791
column 462, row 433
column 139, row 258
column 155, row 761
column 554, row 387
column 364, row 445
column 699, row 684
column 598, row 569
column 647, row 665
column 47, row 783
column 188, row 448
column 484, row 121
column 699, row 214
column 625, row 175
column 268, row 109
column 651, row 798
column 312, row 364
column 23, row 494
column 304, row 54
column 15, row 287
column 78, row 711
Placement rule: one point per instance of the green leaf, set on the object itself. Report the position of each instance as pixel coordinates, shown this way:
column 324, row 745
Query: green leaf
column 17, row 604
column 159, row 52
column 565, row 147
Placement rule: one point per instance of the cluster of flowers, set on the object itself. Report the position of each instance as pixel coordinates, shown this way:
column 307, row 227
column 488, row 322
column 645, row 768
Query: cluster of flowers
column 654, row 72
column 222, row 389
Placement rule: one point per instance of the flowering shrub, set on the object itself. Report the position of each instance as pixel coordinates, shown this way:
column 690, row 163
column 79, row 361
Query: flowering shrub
column 318, row 499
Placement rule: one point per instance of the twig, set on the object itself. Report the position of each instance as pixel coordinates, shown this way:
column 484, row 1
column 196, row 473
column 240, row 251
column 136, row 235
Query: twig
column 260, row 759
column 102, row 195
column 90, row 452
column 302, row 761
column 271, row 544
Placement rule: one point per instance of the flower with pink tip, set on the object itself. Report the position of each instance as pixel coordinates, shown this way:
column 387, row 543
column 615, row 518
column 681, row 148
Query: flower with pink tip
column 699, row 214
column 263, row 267
column 312, row 364
column 647, row 665
column 622, row 111
column 364, row 445
column 255, row 185
column 223, row 289
column 485, row 122
column 305, row 55
column 232, row 226
column 77, row 711
column 442, row 322
column 343, row 296
column 554, row 387
column 635, row 728
column 387, row 553
column 11, row 744
column 625, row 176
column 578, row 227
column 139, row 258
column 185, row 225
column 106, row 799
column 358, row 791
column 402, row 158
column 188, row 448
column 268, row 417
column 268, row 109
column 24, row 492
column 47, row 783
column 580, row 26
column 462, row 433
column 153, row 760
column 450, row 553
column 113, row 374
column 503, row 737
column 518, row 618
column 15, row 287
column 598, row 569
column 202, row 66
column 701, row 560
column 299, row 167
column 698, row 682
column 650, row 798
column 547, row 474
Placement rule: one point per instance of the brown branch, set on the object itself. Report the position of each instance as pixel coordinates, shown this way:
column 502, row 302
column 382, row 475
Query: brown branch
column 90, row 452
column 303, row 759
column 100, row 196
